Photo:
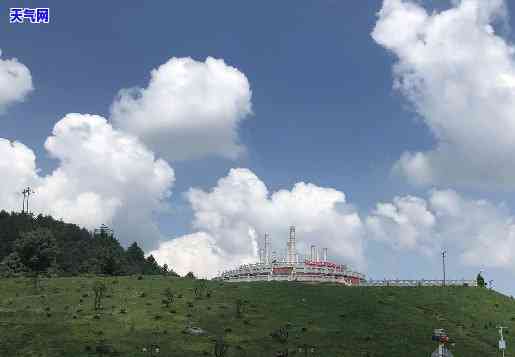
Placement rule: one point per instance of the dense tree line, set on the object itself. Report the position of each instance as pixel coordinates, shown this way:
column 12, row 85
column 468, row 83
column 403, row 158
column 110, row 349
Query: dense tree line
column 37, row 244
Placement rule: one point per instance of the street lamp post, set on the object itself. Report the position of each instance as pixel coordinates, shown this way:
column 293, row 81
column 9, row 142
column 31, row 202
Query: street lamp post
column 444, row 252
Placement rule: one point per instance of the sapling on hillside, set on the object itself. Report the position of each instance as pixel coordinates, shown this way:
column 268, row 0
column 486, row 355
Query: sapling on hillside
column 200, row 289
column 169, row 297
column 124, row 305
column 220, row 347
column 99, row 289
column 240, row 308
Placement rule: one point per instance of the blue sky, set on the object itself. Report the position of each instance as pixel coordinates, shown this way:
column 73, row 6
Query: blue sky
column 324, row 109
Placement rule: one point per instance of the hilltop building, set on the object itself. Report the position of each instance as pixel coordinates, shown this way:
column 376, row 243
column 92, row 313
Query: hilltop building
column 313, row 268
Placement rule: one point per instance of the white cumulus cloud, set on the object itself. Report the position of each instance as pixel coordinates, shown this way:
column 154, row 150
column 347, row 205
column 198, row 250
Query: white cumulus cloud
column 103, row 176
column 15, row 82
column 190, row 109
column 406, row 223
column 459, row 75
column 232, row 218
column 478, row 231
column 18, row 169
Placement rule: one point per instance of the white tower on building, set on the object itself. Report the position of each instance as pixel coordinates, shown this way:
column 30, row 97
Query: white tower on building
column 291, row 254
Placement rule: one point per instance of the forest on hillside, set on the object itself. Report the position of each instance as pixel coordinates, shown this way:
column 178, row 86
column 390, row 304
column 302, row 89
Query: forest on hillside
column 42, row 244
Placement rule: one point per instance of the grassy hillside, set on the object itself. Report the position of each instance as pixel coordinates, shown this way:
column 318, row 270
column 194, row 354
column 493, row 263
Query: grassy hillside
column 60, row 319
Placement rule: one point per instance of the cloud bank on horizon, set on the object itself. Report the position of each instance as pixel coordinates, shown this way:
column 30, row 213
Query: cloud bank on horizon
column 15, row 82
column 233, row 217
column 459, row 76
column 482, row 233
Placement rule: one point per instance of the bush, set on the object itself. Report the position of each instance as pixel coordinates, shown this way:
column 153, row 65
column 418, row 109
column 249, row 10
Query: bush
column 190, row 275
column 169, row 297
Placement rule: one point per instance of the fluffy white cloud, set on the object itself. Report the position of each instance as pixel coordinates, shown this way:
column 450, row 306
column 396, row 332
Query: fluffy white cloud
column 18, row 169
column 103, row 176
column 196, row 252
column 459, row 75
column 481, row 233
column 15, row 82
column 190, row 109
column 233, row 217
column 405, row 223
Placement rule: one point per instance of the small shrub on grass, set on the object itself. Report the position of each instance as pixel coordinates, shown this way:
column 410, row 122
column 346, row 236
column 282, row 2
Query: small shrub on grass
column 200, row 289
column 280, row 335
column 169, row 297
column 240, row 307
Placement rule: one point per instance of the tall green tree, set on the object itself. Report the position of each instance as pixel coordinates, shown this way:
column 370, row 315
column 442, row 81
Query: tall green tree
column 36, row 249
column 480, row 281
column 135, row 259
column 151, row 266
column 110, row 256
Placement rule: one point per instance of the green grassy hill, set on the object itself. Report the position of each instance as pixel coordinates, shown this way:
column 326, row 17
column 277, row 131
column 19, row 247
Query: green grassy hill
column 59, row 320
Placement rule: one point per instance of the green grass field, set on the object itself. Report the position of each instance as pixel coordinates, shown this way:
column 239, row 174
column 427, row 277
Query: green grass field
column 60, row 320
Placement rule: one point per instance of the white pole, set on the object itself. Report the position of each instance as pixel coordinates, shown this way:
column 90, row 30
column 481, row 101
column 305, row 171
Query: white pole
column 444, row 252
column 502, row 344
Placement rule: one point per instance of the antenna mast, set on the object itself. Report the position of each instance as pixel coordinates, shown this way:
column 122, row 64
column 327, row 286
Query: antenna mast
column 26, row 194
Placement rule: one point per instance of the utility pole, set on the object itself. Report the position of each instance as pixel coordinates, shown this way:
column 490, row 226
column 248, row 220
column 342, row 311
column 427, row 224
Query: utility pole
column 502, row 342
column 26, row 194
column 444, row 252
column 23, row 205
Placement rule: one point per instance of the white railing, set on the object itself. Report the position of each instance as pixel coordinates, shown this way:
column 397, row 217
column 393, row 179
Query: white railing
column 414, row 283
